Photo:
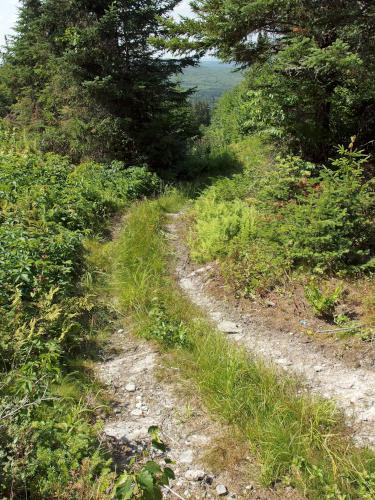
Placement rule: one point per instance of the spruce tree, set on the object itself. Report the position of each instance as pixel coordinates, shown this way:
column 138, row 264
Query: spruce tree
column 88, row 80
column 317, row 58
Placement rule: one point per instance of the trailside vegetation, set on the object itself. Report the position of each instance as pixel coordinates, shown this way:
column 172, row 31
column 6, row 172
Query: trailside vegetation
column 49, row 317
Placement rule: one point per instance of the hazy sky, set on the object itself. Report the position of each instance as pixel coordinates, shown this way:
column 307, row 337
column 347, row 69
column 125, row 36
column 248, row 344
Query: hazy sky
column 8, row 14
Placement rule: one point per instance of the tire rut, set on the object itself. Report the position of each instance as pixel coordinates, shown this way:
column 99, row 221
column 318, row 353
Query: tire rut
column 145, row 391
column 353, row 390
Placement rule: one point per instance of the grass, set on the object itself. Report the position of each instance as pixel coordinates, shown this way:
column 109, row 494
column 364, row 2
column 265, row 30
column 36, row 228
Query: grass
column 297, row 439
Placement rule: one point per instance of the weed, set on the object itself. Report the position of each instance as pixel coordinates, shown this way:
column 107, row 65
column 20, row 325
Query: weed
column 167, row 331
column 323, row 303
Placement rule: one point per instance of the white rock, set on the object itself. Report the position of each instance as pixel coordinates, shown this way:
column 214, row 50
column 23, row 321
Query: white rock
column 186, row 457
column 229, row 327
column 194, row 475
column 203, row 269
column 368, row 414
column 130, row 387
column 120, row 331
column 221, row 490
column 137, row 412
column 284, row 361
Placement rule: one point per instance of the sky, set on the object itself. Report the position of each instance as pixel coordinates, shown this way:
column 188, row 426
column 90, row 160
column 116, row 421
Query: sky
column 8, row 15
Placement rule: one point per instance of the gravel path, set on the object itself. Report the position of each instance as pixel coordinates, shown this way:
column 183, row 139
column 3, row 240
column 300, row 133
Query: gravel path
column 145, row 393
column 353, row 390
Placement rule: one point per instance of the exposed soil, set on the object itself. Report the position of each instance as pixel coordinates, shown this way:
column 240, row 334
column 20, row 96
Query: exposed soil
column 196, row 443
column 347, row 380
column 287, row 310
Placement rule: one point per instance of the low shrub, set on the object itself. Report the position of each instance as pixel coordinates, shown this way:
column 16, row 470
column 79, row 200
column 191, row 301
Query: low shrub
column 270, row 220
column 323, row 302
column 332, row 226
column 49, row 441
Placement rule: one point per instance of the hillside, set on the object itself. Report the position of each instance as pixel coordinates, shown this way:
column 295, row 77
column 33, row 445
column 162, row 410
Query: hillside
column 210, row 79
column 187, row 300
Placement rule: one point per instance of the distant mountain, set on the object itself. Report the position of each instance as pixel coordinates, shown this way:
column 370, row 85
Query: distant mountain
column 211, row 79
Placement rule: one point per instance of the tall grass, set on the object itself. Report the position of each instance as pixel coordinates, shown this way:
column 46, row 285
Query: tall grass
column 297, row 439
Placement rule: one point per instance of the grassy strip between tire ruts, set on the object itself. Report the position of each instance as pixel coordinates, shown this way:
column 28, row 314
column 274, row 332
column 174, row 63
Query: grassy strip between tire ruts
column 297, row 439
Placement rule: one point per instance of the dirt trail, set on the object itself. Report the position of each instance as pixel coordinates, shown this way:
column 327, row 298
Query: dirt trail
column 353, row 390
column 146, row 392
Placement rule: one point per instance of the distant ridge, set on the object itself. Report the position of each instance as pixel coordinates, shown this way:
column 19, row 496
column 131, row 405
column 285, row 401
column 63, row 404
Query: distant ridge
column 211, row 78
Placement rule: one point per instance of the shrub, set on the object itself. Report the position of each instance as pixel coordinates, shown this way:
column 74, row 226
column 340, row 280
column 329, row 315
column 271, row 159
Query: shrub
column 286, row 215
column 47, row 208
column 333, row 226
column 323, row 303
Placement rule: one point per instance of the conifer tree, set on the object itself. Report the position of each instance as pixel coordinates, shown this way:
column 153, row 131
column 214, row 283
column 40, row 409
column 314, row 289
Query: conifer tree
column 316, row 58
column 86, row 77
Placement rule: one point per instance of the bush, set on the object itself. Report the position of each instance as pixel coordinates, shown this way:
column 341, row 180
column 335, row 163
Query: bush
column 285, row 215
column 47, row 208
column 332, row 227
column 323, row 303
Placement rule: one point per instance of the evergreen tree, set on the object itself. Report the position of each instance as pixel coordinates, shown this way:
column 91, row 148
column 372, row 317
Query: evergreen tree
column 317, row 58
column 86, row 77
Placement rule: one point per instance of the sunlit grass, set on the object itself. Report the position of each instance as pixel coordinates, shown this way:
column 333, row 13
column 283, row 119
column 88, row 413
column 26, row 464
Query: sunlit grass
column 297, row 439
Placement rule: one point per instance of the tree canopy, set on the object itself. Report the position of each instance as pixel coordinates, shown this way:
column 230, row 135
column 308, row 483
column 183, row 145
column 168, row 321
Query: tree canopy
column 84, row 75
column 314, row 58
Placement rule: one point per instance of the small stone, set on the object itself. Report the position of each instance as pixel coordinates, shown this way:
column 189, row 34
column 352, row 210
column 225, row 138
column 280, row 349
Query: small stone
column 138, row 398
column 221, row 490
column 120, row 331
column 318, row 368
column 144, row 407
column 130, row 387
column 186, row 457
column 284, row 362
column 229, row 327
column 269, row 303
column 194, row 475
column 137, row 412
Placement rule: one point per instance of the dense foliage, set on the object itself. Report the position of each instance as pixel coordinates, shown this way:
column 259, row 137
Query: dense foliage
column 287, row 214
column 48, row 438
column 312, row 66
column 83, row 78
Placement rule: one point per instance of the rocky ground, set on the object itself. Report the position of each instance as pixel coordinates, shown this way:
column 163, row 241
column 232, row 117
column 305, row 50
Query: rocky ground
column 145, row 390
column 353, row 389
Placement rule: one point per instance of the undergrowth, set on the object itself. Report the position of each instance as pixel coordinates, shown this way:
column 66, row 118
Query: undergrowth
column 297, row 439
column 284, row 220
column 50, row 319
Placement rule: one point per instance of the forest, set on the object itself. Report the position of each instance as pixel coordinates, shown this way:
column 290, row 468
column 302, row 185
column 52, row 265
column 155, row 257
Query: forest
column 187, row 250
